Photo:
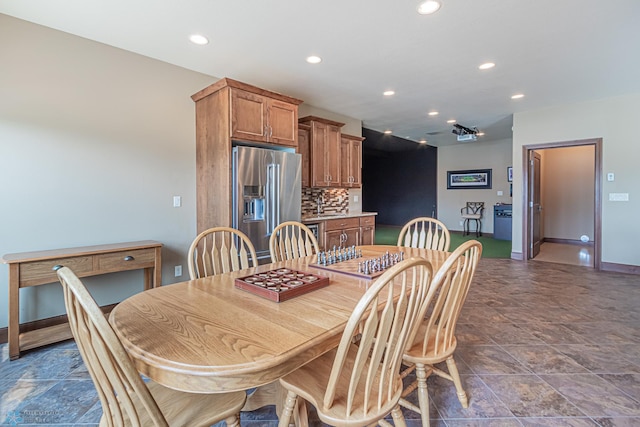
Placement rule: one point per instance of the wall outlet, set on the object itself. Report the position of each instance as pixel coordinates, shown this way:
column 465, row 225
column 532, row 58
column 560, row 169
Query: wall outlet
column 355, row 199
column 461, row 223
column 178, row 270
column 500, row 193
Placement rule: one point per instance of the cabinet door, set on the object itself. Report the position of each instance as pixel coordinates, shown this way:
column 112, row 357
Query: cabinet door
column 355, row 161
column 367, row 235
column 283, row 122
column 345, row 163
column 304, row 150
column 352, row 237
column 332, row 160
column 319, row 176
column 248, row 116
column 333, row 238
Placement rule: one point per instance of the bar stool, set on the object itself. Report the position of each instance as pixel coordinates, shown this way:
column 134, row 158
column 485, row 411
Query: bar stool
column 472, row 212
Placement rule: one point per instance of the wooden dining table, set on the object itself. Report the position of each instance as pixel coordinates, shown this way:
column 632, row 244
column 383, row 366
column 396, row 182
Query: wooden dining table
column 207, row 336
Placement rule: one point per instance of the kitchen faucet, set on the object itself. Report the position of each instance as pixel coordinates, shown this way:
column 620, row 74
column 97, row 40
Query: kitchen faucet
column 320, row 202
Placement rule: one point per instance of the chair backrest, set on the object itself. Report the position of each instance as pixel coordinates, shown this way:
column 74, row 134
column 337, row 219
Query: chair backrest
column 451, row 283
column 473, row 208
column 123, row 394
column 425, row 233
column 387, row 316
column 220, row 250
column 291, row 240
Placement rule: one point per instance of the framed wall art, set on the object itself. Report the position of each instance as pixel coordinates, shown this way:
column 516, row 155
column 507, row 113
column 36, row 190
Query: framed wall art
column 469, row 179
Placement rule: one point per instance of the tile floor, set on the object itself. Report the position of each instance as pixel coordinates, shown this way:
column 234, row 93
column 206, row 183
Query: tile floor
column 540, row 344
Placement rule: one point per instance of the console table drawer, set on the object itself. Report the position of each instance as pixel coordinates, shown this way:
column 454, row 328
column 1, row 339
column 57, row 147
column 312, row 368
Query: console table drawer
column 130, row 260
column 41, row 272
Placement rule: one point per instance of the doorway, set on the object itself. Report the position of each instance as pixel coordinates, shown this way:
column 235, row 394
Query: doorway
column 533, row 224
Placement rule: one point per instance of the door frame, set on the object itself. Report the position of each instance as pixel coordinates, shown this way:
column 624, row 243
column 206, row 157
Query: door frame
column 597, row 238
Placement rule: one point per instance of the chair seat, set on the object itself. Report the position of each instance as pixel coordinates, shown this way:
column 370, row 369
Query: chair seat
column 189, row 409
column 415, row 355
column 471, row 216
column 310, row 383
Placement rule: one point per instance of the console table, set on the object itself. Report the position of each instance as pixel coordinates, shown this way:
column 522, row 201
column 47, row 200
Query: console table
column 36, row 268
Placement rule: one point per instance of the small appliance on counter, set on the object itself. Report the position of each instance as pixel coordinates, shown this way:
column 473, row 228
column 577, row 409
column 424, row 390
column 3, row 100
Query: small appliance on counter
column 266, row 192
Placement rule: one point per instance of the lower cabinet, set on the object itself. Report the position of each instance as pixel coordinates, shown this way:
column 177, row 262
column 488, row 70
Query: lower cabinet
column 367, row 230
column 341, row 232
column 348, row 232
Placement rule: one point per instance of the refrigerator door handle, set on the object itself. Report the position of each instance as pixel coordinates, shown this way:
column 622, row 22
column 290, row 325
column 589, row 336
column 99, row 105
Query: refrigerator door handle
column 273, row 197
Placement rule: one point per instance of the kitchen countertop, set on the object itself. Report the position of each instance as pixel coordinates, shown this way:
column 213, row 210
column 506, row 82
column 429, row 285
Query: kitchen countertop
column 310, row 219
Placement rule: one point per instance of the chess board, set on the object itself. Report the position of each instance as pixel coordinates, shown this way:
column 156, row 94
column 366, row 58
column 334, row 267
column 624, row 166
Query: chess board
column 348, row 267
column 281, row 284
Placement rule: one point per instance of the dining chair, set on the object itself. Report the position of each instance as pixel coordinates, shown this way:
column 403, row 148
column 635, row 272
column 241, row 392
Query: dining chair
column 220, row 250
column 126, row 399
column 435, row 341
column 359, row 384
column 425, row 233
column 472, row 211
column 290, row 240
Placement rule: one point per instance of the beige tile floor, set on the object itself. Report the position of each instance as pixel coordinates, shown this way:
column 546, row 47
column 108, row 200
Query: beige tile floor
column 563, row 253
column 540, row 344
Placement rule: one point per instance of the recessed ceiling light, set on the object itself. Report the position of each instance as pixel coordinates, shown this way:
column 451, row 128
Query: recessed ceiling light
column 451, row 121
column 314, row 59
column 428, row 7
column 387, row 132
column 433, row 113
column 198, row 39
column 480, row 133
column 486, row 65
column 517, row 96
column 423, row 141
column 388, row 93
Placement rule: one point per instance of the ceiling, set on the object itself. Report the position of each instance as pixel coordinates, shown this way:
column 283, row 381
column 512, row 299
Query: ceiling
column 554, row 52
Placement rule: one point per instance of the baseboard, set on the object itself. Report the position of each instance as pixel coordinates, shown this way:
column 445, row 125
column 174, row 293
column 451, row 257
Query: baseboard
column 517, row 256
column 620, row 268
column 567, row 241
column 473, row 233
column 45, row 323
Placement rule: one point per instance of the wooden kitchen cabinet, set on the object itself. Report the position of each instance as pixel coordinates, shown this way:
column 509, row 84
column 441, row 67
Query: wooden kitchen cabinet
column 351, row 161
column 261, row 118
column 304, row 149
column 341, row 232
column 324, row 162
column 367, row 230
column 228, row 111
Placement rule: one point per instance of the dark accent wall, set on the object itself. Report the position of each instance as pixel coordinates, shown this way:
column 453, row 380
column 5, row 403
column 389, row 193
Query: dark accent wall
column 400, row 185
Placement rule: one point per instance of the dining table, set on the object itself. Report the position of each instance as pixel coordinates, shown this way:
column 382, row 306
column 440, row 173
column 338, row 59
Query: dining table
column 208, row 336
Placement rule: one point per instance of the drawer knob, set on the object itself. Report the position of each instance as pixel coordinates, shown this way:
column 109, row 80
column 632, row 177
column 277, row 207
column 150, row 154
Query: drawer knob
column 129, row 258
column 57, row 267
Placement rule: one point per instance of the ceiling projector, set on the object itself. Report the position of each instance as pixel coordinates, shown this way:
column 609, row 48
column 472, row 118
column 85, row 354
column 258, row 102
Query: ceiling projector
column 464, row 133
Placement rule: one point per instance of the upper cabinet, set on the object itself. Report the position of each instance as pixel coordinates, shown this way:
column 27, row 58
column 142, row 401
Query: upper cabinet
column 304, row 149
column 324, row 156
column 231, row 110
column 261, row 118
column 351, row 161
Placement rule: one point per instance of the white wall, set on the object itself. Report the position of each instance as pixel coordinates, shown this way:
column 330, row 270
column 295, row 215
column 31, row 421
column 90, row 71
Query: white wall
column 613, row 120
column 495, row 155
column 95, row 142
column 568, row 192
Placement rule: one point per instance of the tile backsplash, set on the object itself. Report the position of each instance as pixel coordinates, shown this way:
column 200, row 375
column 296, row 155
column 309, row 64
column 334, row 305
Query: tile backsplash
column 334, row 200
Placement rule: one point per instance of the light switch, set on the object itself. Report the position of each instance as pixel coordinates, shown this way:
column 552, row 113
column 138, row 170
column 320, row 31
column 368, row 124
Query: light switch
column 177, row 201
column 178, row 270
column 500, row 193
column 611, row 176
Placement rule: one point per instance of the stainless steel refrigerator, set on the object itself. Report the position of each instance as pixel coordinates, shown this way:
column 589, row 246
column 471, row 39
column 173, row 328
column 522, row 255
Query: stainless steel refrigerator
column 266, row 192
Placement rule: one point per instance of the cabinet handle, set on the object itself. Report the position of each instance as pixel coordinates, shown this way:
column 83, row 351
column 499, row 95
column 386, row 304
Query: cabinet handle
column 129, row 258
column 57, row 267
column 270, row 131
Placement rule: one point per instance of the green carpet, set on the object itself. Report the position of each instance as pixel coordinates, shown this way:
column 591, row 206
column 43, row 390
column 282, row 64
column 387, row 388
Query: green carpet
column 491, row 248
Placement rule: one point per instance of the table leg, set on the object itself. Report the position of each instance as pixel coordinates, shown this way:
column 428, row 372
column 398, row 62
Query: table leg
column 14, row 311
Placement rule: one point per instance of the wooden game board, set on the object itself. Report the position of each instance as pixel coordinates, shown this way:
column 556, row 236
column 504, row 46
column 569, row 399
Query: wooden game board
column 281, row 284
